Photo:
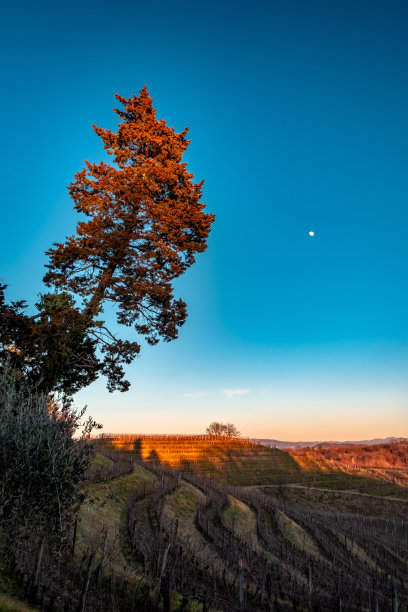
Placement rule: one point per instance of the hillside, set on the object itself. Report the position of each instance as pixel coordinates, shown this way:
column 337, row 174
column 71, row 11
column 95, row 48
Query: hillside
column 197, row 544
column 378, row 463
column 378, row 468
column 284, row 444
column 234, row 460
column 312, row 535
column 391, row 455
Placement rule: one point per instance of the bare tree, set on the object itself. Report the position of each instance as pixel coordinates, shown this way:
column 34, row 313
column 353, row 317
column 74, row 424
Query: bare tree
column 221, row 429
column 215, row 429
column 230, row 431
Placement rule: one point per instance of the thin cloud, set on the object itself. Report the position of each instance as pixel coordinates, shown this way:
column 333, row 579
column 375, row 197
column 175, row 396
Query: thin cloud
column 232, row 392
column 195, row 394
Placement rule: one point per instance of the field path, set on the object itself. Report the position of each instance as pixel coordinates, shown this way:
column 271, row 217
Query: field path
column 327, row 490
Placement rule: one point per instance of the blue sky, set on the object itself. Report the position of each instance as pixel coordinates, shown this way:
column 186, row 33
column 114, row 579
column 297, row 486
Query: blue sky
column 298, row 122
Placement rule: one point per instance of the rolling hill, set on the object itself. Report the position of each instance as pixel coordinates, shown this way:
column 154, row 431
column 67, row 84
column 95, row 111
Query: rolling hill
column 201, row 524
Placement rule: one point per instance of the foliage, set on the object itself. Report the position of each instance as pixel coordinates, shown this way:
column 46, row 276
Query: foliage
column 45, row 348
column 41, row 464
column 389, row 455
column 145, row 224
column 223, row 429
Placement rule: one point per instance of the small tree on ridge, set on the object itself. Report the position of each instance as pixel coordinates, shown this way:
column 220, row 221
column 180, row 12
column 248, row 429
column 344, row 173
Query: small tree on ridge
column 227, row 430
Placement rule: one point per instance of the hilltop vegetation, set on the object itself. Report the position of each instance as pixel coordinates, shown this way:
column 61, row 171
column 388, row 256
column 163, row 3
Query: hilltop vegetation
column 392, row 455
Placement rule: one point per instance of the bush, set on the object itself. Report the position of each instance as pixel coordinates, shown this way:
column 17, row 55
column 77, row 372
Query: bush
column 41, row 465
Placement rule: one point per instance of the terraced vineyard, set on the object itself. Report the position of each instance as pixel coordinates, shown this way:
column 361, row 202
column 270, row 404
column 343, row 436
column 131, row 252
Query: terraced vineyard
column 227, row 525
column 233, row 527
column 235, row 461
column 240, row 462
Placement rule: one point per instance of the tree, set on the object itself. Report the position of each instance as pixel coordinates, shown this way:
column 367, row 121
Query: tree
column 41, row 347
column 41, row 465
column 227, row 430
column 215, row 429
column 145, row 225
column 231, row 431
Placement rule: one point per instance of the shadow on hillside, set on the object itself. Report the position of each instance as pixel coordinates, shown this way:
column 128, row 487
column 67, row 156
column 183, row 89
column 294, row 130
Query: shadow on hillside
column 137, row 448
column 275, row 467
column 185, row 466
column 154, row 457
column 262, row 466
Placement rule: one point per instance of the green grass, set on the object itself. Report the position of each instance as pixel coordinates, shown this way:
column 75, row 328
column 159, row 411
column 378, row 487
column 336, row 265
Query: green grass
column 9, row 603
column 9, row 596
column 105, row 508
column 298, row 536
column 181, row 505
column 183, row 502
column 356, row 550
column 241, row 520
column 101, row 461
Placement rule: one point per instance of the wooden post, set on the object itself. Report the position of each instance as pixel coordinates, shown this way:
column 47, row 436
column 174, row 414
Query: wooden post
column 268, row 586
column 310, row 587
column 395, row 599
column 38, row 561
column 101, row 564
column 74, row 536
column 165, row 590
column 82, row 599
column 241, row 583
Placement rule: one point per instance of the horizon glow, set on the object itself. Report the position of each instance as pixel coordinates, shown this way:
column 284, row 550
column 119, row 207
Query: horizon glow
column 297, row 120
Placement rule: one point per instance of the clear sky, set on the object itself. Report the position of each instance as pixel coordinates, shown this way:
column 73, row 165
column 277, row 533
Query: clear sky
column 298, row 122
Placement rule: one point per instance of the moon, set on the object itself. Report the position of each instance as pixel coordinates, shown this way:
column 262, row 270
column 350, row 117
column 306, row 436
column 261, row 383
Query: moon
column 311, row 234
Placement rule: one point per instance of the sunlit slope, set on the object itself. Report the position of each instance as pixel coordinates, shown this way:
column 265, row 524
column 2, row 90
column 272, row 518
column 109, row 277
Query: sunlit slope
column 391, row 455
column 358, row 465
column 234, row 461
column 241, row 462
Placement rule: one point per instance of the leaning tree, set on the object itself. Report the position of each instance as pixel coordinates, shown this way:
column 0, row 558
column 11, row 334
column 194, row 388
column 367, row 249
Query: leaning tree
column 142, row 223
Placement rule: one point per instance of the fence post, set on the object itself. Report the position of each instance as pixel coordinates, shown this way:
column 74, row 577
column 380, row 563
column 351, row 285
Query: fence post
column 82, row 599
column 241, row 583
column 102, row 562
column 74, row 536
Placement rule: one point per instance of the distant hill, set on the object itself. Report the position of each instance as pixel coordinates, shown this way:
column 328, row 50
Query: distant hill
column 283, row 444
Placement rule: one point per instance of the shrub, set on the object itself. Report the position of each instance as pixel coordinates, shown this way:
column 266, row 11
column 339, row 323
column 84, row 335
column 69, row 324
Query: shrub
column 41, row 465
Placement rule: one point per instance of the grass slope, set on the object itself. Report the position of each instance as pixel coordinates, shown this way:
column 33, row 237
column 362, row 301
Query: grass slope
column 241, row 520
column 105, row 509
column 9, row 603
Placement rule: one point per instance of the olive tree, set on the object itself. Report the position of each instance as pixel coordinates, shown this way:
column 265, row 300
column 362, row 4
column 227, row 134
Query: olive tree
column 41, row 466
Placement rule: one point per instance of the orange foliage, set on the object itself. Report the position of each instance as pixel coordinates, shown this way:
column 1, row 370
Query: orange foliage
column 145, row 225
column 392, row 455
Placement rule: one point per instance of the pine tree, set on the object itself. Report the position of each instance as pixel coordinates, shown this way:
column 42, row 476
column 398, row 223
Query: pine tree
column 144, row 225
